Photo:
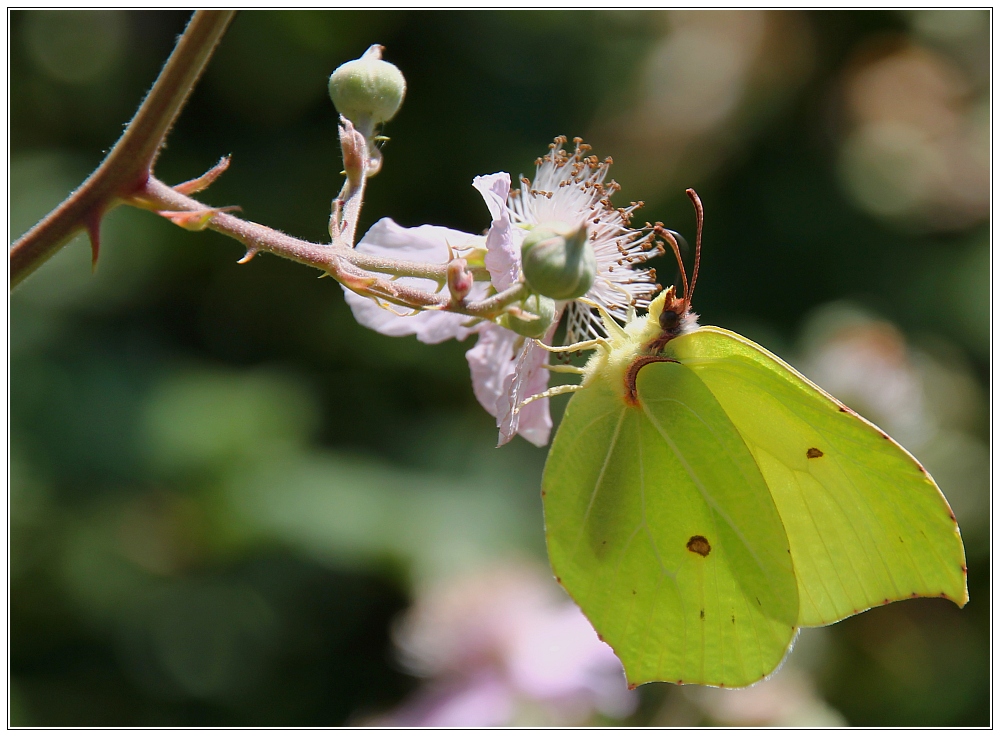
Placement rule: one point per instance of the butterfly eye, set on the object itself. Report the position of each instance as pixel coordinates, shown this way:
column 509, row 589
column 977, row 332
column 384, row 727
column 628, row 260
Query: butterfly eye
column 668, row 320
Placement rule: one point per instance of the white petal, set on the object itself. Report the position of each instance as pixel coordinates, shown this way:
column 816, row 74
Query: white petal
column 491, row 361
column 507, row 368
column 503, row 260
column 426, row 244
column 494, row 188
column 528, row 377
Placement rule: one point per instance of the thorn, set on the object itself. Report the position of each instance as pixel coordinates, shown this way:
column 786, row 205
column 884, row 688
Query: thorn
column 251, row 252
column 94, row 232
column 194, row 219
column 205, row 180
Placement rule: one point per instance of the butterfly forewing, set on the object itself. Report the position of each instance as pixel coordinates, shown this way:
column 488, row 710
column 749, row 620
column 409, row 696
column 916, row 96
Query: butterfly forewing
column 865, row 522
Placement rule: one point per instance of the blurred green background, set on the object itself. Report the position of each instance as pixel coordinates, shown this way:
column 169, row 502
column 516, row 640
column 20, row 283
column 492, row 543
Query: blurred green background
column 224, row 492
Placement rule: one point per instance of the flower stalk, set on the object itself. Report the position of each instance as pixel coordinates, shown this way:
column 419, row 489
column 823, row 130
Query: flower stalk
column 362, row 273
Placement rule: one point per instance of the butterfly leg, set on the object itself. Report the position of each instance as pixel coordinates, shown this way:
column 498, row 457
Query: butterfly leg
column 553, row 392
column 586, row 345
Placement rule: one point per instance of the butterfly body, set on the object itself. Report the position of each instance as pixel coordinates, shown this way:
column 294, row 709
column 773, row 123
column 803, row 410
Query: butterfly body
column 640, row 340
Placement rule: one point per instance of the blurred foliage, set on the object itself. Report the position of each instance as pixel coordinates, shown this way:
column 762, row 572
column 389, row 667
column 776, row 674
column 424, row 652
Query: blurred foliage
column 224, row 491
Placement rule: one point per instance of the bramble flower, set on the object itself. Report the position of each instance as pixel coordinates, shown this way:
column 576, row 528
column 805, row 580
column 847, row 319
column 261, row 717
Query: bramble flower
column 507, row 368
column 502, row 643
column 569, row 188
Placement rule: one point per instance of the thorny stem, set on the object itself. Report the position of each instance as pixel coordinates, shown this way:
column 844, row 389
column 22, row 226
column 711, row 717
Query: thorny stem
column 125, row 177
column 128, row 165
column 352, row 269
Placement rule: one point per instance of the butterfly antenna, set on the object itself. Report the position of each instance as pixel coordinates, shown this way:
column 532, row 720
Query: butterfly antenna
column 700, row 213
column 664, row 233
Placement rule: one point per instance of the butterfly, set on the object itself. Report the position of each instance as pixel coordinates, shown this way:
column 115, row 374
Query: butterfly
column 704, row 501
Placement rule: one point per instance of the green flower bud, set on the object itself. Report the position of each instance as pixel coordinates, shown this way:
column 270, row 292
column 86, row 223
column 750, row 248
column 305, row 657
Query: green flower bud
column 367, row 91
column 558, row 261
column 537, row 313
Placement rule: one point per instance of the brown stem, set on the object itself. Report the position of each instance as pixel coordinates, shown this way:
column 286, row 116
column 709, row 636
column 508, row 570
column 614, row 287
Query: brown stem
column 127, row 167
column 350, row 268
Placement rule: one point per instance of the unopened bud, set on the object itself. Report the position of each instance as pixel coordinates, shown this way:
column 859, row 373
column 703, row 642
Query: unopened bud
column 558, row 261
column 355, row 150
column 367, row 91
column 532, row 317
column 460, row 280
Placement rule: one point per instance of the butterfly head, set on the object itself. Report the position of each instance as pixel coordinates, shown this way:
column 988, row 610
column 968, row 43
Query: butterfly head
column 672, row 310
column 669, row 316
column 672, row 314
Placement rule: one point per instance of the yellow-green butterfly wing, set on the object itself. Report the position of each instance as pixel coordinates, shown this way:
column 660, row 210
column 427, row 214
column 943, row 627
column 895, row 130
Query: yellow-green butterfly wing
column 662, row 528
column 866, row 523
column 732, row 503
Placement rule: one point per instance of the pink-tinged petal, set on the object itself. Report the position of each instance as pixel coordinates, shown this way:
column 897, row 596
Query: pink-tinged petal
column 491, row 362
column 484, row 700
column 529, row 377
column 561, row 657
column 503, row 260
column 425, row 244
column 494, row 188
column 507, row 368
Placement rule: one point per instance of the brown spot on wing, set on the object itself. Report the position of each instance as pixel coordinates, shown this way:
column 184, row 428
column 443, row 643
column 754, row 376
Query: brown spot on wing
column 700, row 545
column 702, row 614
column 814, row 453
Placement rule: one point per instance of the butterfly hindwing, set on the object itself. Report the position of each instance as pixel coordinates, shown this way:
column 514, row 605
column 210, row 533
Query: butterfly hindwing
column 661, row 527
